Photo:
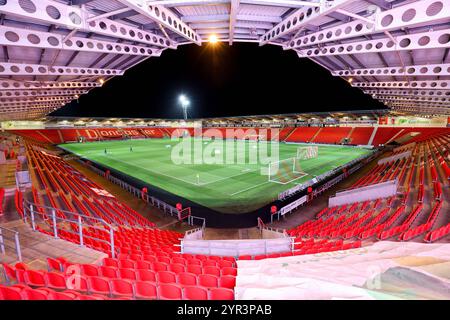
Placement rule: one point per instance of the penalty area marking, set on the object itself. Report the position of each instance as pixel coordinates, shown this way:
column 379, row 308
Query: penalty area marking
column 256, row 185
column 245, row 171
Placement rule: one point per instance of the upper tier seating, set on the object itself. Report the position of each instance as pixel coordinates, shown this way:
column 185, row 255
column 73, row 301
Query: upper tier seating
column 302, row 134
column 422, row 174
column 332, row 135
column 361, row 135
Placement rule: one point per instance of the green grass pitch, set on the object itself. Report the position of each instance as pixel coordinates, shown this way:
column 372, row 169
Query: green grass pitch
column 229, row 188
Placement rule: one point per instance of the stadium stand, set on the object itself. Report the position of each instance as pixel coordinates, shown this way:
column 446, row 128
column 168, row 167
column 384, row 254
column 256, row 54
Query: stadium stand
column 146, row 263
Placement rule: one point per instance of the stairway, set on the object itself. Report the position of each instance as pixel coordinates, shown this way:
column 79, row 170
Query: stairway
column 315, row 135
column 289, row 134
column 348, row 137
column 374, row 132
column 395, row 136
column 36, row 247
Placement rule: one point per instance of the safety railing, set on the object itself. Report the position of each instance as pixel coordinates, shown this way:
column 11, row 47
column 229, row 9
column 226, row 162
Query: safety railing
column 262, row 226
column 74, row 227
column 167, row 208
column 6, row 236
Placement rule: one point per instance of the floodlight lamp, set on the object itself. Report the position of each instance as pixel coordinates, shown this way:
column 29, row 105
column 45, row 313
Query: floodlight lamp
column 213, row 39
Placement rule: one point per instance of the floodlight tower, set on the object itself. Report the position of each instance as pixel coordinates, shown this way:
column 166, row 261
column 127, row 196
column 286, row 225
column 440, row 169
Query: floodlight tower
column 184, row 104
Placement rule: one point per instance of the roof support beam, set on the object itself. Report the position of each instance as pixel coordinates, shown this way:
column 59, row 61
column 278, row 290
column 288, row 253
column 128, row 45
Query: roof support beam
column 74, row 18
column 41, row 93
column 432, row 85
column 421, row 109
column 301, row 17
column 415, row 99
column 234, row 7
column 165, row 17
column 275, row 3
column 226, row 17
column 409, row 92
column 44, row 70
column 413, row 70
column 36, row 85
column 38, row 39
column 32, row 100
column 416, row 41
column 381, row 22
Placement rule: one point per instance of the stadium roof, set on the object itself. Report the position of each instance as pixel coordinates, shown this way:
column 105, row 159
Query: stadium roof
column 54, row 51
column 345, row 116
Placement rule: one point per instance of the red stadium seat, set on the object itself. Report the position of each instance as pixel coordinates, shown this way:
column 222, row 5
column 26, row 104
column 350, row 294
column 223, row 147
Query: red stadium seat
column 34, row 294
column 209, row 263
column 187, row 279
column 229, row 271
column 164, row 259
column 55, row 280
column 91, row 297
column 54, row 264
column 177, row 268
column 169, row 292
column 108, row 272
column 194, row 262
column 129, row 274
column 227, row 282
column 149, row 258
column 10, row 293
column 9, row 273
column 122, row 288
column 99, row 285
column 221, row 294
column 129, row 264
column 89, row 270
column 208, row 281
column 145, row 290
column 135, row 257
column 166, row 277
column 146, row 275
column 34, row 278
column 143, row 265
column 77, row 282
column 224, row 263
column 61, row 296
column 109, row 262
column 211, row 270
column 179, row 260
column 195, row 269
column 195, row 293
column 159, row 266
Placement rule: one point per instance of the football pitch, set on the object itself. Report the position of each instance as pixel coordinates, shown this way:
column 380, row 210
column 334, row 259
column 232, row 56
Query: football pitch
column 226, row 187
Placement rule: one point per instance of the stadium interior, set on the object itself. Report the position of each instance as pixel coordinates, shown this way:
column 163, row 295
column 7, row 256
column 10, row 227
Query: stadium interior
column 357, row 207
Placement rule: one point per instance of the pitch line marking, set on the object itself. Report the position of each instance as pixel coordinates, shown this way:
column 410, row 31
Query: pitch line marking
column 229, row 177
column 154, row 172
column 249, row 188
column 169, row 176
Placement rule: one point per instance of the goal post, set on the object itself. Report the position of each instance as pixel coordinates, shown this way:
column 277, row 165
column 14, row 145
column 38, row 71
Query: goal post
column 309, row 152
column 285, row 171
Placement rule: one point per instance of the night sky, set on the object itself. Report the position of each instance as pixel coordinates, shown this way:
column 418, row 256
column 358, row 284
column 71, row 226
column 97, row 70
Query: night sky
column 221, row 80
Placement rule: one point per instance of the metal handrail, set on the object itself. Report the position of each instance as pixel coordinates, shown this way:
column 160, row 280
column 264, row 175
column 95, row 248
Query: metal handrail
column 167, row 208
column 15, row 238
column 32, row 213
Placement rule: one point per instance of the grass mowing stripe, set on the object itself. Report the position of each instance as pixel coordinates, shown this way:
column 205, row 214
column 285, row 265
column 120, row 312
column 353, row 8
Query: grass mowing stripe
column 234, row 188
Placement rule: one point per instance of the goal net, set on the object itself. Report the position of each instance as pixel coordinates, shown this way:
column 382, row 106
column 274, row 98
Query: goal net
column 285, row 171
column 305, row 153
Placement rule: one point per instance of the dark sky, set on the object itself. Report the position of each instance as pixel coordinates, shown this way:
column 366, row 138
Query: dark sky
column 242, row 79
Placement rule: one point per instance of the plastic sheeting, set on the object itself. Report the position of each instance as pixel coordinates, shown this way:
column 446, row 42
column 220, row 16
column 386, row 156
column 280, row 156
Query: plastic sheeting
column 385, row 270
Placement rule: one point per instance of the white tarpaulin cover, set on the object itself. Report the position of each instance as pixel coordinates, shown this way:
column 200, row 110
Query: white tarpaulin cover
column 385, row 270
